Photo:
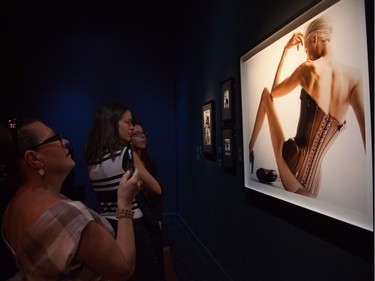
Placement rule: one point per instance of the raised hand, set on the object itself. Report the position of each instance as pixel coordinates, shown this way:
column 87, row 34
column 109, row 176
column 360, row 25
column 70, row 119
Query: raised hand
column 129, row 187
column 296, row 40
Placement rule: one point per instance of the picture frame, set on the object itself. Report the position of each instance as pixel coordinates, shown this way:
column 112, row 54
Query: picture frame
column 208, row 127
column 228, row 147
column 227, row 99
column 346, row 184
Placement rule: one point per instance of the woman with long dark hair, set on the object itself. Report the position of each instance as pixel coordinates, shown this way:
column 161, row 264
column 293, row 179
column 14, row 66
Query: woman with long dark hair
column 106, row 155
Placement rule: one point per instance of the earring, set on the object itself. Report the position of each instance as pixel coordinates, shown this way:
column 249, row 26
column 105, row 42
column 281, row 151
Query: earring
column 41, row 172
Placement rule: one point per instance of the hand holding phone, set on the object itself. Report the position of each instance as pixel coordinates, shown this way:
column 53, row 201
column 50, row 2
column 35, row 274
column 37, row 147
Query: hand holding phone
column 130, row 164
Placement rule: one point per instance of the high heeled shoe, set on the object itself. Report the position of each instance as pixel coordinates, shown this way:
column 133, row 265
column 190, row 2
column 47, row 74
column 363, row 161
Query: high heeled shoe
column 251, row 160
column 266, row 175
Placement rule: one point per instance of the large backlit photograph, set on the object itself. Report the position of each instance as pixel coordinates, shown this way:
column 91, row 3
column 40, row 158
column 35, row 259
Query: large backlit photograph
column 307, row 115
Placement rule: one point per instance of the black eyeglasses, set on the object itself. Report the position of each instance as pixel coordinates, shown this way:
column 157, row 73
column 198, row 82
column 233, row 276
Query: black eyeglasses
column 139, row 134
column 56, row 137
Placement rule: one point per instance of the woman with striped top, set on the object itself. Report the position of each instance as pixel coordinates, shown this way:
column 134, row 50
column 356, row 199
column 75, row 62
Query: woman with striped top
column 105, row 155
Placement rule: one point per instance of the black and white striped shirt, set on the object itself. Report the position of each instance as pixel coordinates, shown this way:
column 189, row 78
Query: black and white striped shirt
column 105, row 178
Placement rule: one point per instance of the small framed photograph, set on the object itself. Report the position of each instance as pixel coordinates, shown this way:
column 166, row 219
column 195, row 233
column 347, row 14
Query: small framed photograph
column 227, row 102
column 208, row 127
column 228, row 148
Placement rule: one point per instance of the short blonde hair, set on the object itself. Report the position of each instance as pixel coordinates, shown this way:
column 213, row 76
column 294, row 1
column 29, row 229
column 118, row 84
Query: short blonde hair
column 322, row 27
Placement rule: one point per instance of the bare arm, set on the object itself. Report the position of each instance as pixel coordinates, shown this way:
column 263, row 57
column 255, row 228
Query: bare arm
column 113, row 259
column 356, row 101
column 296, row 40
column 291, row 82
column 150, row 184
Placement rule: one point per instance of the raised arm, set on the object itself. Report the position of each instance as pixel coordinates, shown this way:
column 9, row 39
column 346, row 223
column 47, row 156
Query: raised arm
column 296, row 40
column 149, row 183
column 113, row 259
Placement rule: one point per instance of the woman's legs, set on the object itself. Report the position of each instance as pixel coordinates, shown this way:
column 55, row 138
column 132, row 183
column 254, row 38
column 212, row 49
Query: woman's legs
column 267, row 107
column 259, row 120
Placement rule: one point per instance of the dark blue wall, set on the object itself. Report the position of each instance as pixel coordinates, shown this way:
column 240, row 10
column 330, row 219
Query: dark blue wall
column 61, row 59
column 253, row 236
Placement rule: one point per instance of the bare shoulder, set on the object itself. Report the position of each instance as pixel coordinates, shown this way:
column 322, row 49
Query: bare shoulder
column 23, row 211
column 307, row 65
column 308, row 68
column 351, row 74
column 307, row 73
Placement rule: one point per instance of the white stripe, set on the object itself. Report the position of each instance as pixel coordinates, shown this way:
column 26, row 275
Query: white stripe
column 105, row 188
column 106, row 182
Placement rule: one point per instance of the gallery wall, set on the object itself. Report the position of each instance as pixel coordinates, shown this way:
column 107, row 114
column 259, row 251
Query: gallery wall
column 253, row 236
column 62, row 59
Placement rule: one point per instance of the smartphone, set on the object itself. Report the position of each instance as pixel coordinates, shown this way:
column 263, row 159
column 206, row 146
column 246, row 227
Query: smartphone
column 130, row 164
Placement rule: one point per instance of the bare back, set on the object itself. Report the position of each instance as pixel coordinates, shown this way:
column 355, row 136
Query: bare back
column 332, row 85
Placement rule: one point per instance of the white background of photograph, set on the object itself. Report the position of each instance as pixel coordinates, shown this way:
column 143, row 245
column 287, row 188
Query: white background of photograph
column 346, row 190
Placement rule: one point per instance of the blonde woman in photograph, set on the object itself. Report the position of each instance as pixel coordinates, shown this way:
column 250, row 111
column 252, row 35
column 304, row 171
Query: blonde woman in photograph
column 329, row 89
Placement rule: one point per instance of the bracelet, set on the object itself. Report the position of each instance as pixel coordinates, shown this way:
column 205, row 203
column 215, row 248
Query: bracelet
column 124, row 213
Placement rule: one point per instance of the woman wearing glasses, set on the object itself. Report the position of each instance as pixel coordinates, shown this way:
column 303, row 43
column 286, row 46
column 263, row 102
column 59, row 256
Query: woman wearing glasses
column 139, row 141
column 106, row 157
column 151, row 203
column 50, row 236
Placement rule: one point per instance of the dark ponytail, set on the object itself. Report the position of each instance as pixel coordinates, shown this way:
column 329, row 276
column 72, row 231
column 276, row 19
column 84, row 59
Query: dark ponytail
column 15, row 139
